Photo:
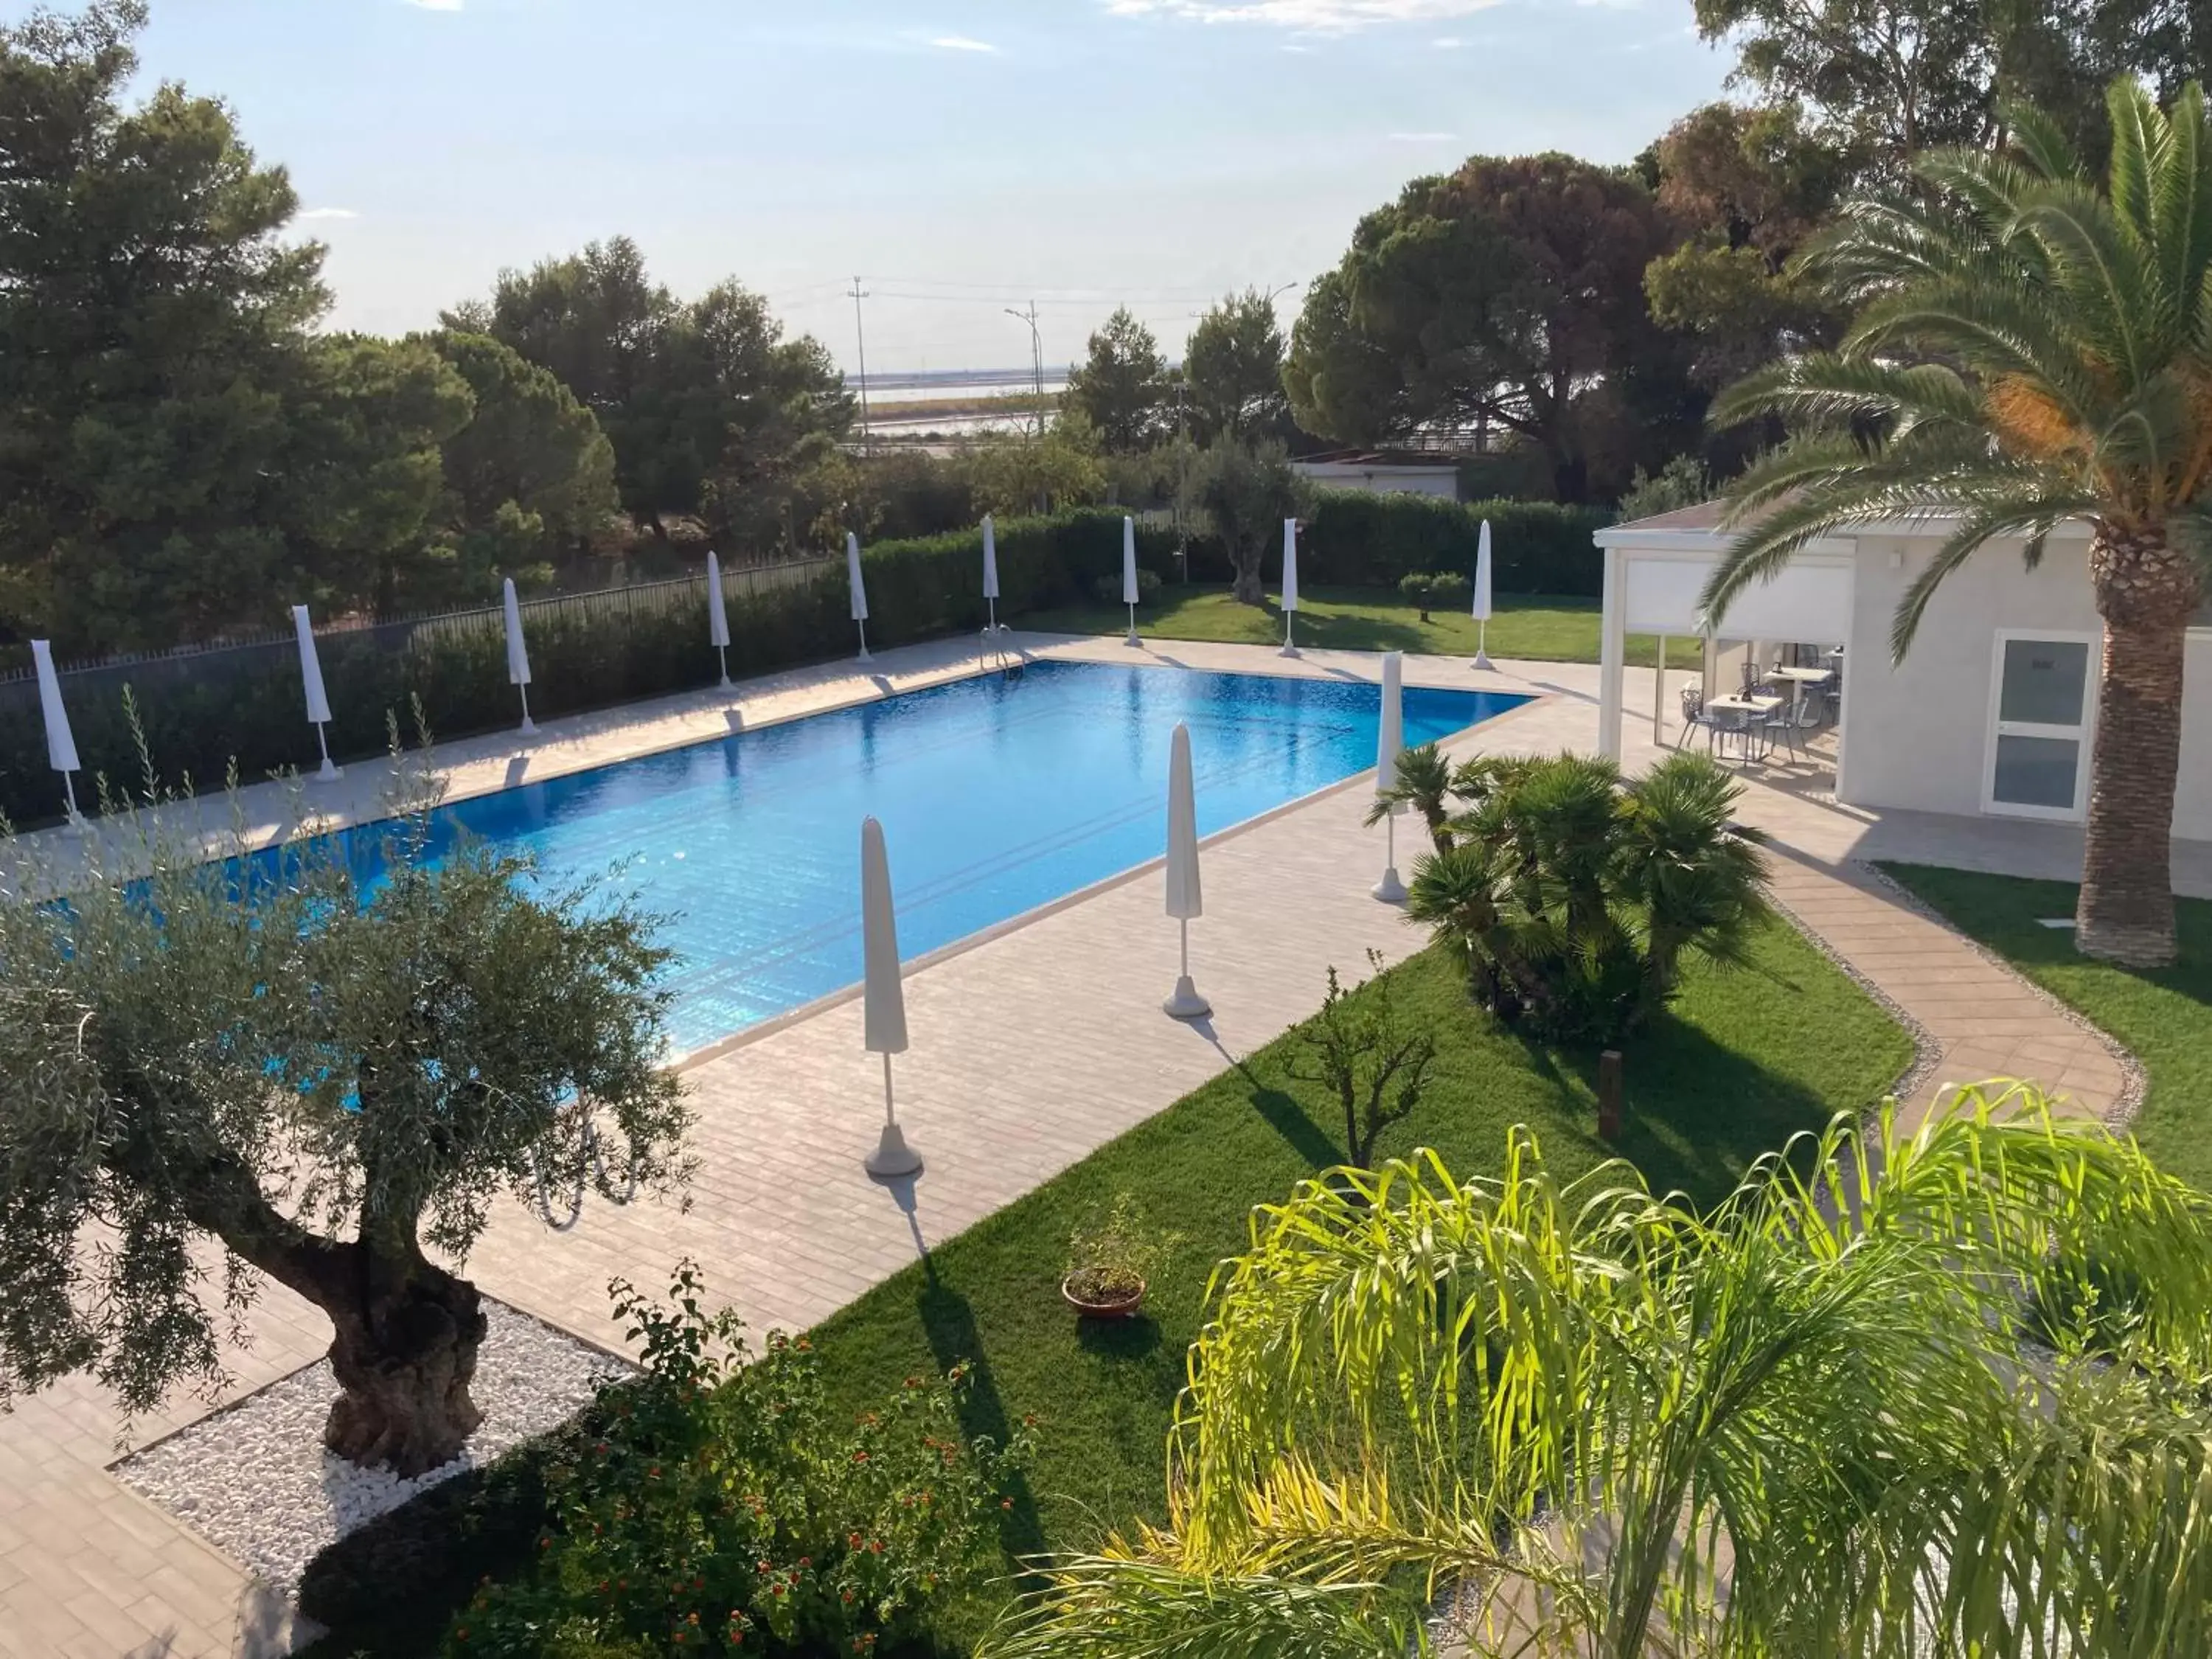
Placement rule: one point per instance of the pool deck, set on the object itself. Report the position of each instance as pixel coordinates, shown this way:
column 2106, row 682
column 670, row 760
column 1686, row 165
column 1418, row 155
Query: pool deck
column 1033, row 1044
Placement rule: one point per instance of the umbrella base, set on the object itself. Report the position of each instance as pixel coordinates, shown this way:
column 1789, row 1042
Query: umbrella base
column 1390, row 889
column 1482, row 661
column 1185, row 1003
column 1290, row 650
column 528, row 728
column 892, row 1157
column 329, row 774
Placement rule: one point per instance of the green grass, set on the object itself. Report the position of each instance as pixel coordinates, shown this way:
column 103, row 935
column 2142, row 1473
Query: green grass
column 2164, row 1018
column 1744, row 1060
column 1546, row 628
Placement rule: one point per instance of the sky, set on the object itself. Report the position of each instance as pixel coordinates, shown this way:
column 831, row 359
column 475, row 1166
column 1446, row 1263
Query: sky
column 958, row 156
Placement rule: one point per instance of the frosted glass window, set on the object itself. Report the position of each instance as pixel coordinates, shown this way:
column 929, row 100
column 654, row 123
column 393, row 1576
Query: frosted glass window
column 2036, row 772
column 2045, row 682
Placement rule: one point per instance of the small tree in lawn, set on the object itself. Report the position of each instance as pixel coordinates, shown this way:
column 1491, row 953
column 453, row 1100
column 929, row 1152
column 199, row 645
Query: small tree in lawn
column 1375, row 1068
column 329, row 1069
column 1248, row 489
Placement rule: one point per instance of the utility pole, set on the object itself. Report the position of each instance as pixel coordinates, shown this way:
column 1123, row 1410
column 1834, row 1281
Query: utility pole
column 868, row 439
column 1037, row 361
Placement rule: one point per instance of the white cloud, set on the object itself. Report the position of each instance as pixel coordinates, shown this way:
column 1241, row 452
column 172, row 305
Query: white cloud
column 1447, row 43
column 1322, row 16
column 329, row 213
column 437, row 5
column 961, row 42
column 1425, row 137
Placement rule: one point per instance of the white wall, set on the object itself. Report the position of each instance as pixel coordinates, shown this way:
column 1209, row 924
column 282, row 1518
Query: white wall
column 1382, row 478
column 1919, row 732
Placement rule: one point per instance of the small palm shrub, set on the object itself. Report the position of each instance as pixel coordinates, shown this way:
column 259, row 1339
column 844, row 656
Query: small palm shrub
column 1571, row 896
column 726, row 1511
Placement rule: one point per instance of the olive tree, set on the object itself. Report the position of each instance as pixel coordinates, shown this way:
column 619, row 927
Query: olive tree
column 329, row 1059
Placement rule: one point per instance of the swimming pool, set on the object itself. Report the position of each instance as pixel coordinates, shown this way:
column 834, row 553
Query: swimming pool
column 995, row 796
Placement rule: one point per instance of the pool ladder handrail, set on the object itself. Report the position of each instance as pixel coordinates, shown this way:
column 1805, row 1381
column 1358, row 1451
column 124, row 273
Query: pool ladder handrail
column 993, row 654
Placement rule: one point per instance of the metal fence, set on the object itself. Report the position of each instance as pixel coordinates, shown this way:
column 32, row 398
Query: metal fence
column 739, row 583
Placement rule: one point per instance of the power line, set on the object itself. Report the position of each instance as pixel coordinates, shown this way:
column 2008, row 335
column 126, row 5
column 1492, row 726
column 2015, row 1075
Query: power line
column 859, row 329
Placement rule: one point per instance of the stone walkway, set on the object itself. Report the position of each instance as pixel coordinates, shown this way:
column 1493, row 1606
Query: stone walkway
column 1032, row 1047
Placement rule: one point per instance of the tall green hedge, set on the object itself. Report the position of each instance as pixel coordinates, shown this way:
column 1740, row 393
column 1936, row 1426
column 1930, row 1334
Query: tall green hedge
column 1363, row 540
column 202, row 712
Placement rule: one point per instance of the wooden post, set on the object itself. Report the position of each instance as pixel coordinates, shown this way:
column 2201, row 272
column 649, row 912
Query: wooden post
column 1608, row 1095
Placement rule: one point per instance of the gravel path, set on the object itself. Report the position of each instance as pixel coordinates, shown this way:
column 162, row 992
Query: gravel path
column 256, row 1482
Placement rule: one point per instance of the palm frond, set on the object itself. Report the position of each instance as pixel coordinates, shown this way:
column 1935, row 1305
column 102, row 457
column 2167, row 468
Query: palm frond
column 2040, row 138
column 2029, row 515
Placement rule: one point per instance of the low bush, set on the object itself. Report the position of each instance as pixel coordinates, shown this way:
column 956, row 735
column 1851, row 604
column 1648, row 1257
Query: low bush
column 725, row 1508
column 202, row 712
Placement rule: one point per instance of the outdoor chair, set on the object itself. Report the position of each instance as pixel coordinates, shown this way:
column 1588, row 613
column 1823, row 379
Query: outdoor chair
column 1694, row 716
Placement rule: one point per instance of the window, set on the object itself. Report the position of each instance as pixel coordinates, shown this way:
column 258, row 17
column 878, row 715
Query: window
column 2039, row 741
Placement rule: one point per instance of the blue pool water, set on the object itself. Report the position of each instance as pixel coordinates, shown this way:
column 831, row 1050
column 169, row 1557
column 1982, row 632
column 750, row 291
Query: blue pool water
column 996, row 797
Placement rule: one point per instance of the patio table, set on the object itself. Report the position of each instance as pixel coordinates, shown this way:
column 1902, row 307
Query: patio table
column 1799, row 679
column 1750, row 707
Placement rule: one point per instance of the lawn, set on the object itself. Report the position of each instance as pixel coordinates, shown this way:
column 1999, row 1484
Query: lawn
column 2164, row 1018
column 1746, row 1058
column 1549, row 628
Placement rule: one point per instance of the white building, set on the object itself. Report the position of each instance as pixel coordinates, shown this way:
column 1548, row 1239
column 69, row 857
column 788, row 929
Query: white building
column 1991, row 712
column 1378, row 476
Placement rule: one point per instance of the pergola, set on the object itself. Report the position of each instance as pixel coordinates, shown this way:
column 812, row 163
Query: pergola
column 1655, row 569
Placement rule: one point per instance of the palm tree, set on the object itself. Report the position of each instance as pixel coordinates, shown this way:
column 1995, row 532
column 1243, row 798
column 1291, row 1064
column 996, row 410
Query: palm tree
column 2029, row 349
column 1575, row 1418
column 1424, row 782
column 1570, row 897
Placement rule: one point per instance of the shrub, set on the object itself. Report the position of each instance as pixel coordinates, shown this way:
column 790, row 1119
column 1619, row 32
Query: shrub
column 724, row 1510
column 1359, row 540
column 1107, row 589
column 1444, row 590
column 1573, row 896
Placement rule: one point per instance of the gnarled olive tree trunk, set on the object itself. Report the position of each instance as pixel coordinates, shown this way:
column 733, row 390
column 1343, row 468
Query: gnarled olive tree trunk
column 405, row 1333
column 2145, row 592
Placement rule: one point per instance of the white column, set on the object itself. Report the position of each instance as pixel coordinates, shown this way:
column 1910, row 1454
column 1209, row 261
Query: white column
column 1659, row 697
column 1612, row 646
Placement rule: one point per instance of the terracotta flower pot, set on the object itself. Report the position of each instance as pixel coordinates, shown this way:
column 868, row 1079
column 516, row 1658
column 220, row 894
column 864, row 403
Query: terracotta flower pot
column 1120, row 1307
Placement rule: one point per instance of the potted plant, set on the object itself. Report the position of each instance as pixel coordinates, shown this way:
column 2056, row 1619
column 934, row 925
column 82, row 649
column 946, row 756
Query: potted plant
column 1109, row 1258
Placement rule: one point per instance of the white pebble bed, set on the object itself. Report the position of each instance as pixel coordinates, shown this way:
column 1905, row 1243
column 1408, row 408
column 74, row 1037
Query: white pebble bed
column 256, row 1482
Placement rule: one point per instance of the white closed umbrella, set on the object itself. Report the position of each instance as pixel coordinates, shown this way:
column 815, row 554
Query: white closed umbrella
column 61, row 743
column 1482, row 597
column 883, row 996
column 311, row 681
column 859, row 590
column 1389, row 744
column 1184, row 900
column 517, row 653
column 991, row 573
column 1129, row 573
column 718, row 618
column 1289, row 583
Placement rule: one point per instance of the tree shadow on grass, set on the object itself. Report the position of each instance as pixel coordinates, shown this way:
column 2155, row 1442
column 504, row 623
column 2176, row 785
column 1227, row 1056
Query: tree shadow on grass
column 948, row 1321
column 1697, row 1113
